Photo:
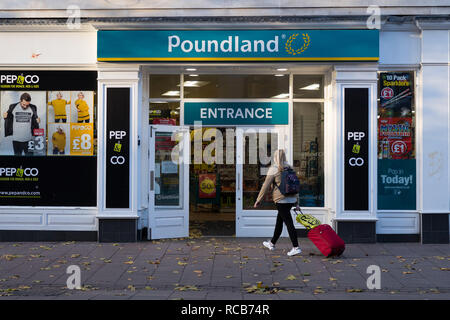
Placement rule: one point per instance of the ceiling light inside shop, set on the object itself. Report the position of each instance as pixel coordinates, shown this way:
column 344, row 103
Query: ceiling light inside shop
column 314, row 86
column 193, row 75
column 281, row 96
column 281, row 69
column 171, row 94
column 196, row 84
column 191, row 69
column 279, row 75
column 159, row 102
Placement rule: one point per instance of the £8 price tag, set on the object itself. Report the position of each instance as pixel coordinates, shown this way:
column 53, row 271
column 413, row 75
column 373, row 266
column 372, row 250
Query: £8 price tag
column 81, row 139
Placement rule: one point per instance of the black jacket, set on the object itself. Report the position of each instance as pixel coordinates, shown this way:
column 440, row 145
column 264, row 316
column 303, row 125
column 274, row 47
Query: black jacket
column 10, row 119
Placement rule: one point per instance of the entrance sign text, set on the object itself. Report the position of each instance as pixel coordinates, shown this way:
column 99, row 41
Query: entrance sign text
column 236, row 113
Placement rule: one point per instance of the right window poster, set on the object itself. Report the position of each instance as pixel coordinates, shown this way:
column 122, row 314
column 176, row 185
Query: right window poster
column 396, row 142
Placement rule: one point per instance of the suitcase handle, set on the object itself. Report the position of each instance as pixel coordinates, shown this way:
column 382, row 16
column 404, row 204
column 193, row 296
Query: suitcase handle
column 298, row 209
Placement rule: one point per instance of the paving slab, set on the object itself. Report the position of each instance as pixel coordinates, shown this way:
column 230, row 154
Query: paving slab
column 221, row 268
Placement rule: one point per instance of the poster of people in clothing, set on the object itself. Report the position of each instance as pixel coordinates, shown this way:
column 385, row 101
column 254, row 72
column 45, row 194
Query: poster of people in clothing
column 40, row 123
column 23, row 123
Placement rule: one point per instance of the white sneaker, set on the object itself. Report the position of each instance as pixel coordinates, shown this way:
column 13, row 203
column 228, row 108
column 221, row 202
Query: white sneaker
column 269, row 245
column 294, row 251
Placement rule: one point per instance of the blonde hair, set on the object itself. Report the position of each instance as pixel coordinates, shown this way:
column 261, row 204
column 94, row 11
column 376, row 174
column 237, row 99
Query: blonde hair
column 279, row 158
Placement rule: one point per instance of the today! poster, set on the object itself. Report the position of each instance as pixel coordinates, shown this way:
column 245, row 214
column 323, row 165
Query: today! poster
column 396, row 142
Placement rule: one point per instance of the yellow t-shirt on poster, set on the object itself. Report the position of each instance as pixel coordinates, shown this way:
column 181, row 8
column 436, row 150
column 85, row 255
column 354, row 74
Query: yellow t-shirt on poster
column 81, row 139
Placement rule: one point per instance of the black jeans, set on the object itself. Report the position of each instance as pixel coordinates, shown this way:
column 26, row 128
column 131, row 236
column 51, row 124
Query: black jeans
column 284, row 215
column 20, row 147
column 56, row 151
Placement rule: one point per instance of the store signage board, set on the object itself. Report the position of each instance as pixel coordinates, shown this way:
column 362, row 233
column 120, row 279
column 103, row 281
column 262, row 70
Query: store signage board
column 236, row 113
column 356, row 168
column 238, row 45
column 118, row 148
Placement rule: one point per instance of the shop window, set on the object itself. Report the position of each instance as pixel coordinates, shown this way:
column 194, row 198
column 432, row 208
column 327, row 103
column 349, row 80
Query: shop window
column 308, row 86
column 48, row 141
column 308, row 133
column 164, row 112
column 396, row 142
column 236, row 86
column 164, row 86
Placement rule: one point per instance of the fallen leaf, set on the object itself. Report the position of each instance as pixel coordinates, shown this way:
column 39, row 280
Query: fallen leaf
column 354, row 290
column 10, row 257
column 187, row 288
column 291, row 277
column 318, row 291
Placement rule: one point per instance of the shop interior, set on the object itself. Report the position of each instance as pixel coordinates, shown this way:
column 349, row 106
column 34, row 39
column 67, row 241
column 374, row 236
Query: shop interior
column 212, row 186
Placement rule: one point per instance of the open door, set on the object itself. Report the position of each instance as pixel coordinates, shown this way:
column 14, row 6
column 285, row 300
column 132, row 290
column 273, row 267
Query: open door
column 169, row 182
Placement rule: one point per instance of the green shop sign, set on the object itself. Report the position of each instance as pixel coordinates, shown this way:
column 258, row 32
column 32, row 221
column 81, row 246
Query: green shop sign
column 238, row 45
column 236, row 113
column 396, row 184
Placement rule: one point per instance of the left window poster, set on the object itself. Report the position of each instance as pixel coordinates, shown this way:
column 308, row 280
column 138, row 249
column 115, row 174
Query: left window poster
column 48, row 139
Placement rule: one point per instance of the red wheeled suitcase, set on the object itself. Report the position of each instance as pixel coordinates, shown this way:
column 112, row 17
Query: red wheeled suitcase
column 326, row 240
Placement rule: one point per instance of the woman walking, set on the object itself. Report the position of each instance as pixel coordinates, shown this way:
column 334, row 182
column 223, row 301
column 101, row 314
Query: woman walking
column 283, row 203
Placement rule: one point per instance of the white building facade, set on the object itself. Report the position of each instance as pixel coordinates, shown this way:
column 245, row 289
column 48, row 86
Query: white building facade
column 362, row 112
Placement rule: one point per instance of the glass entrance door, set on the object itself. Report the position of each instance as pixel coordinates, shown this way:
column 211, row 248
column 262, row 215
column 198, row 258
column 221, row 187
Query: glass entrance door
column 255, row 148
column 212, row 181
column 169, row 186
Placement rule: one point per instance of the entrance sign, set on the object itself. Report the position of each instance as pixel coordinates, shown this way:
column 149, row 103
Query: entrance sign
column 237, row 113
column 238, row 45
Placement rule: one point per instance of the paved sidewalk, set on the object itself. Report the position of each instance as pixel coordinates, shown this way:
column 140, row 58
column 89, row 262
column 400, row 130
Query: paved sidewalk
column 221, row 269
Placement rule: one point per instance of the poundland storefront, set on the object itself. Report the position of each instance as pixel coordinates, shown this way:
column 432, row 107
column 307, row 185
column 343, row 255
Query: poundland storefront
column 220, row 102
column 161, row 133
